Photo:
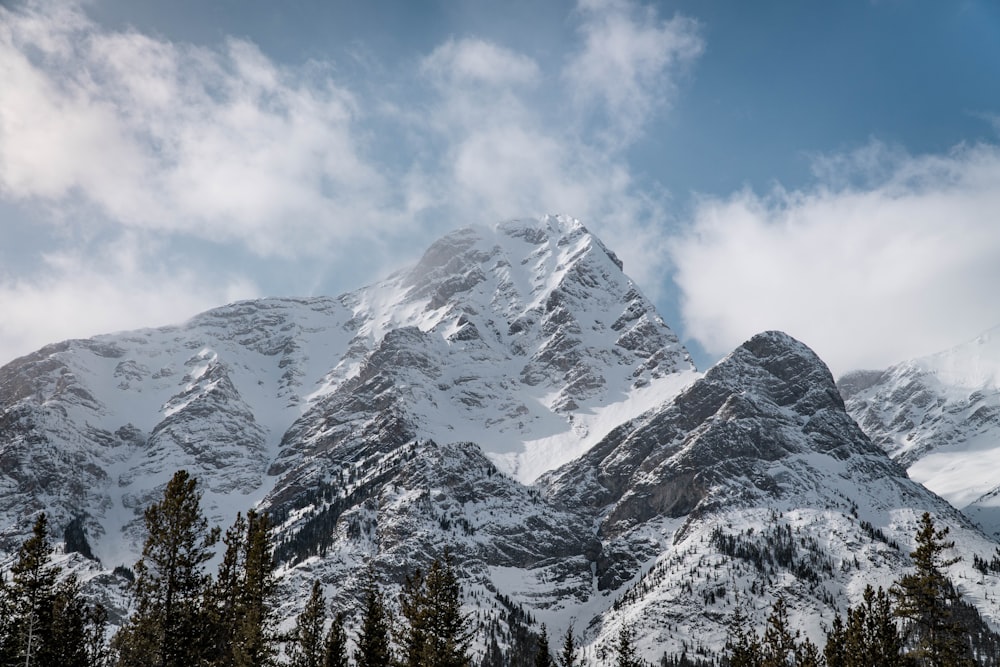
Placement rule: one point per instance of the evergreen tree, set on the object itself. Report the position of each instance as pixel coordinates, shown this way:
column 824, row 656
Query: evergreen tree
column 335, row 646
column 926, row 600
column 436, row 633
column 414, row 607
column 67, row 642
column 33, row 594
column 543, row 658
column 256, row 638
column 42, row 622
column 871, row 636
column 8, row 626
column 307, row 637
column 567, row 656
column 778, row 647
column 625, row 655
column 834, row 652
column 807, row 654
column 373, row 648
column 743, row 646
column 96, row 627
column 448, row 637
column 171, row 626
column 225, row 598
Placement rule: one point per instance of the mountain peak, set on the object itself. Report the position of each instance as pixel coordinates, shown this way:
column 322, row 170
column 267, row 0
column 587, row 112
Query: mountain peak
column 771, row 400
column 782, row 369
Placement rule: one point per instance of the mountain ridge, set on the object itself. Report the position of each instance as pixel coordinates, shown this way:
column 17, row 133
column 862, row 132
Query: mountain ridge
column 512, row 397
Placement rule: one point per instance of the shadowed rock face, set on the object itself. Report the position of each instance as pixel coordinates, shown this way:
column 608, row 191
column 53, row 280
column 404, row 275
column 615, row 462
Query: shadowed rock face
column 726, row 441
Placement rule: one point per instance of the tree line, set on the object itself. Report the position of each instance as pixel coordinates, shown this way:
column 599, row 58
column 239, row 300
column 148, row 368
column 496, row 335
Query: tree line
column 183, row 616
column 919, row 622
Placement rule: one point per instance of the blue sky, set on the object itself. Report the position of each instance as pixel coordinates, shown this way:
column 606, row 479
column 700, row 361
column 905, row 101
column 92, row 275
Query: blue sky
column 830, row 169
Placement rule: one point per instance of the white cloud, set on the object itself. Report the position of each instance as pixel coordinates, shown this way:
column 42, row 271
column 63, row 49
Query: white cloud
column 122, row 286
column 902, row 265
column 479, row 62
column 629, row 63
column 512, row 145
column 218, row 144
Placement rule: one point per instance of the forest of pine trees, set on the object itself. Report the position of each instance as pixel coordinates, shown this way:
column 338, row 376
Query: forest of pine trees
column 183, row 616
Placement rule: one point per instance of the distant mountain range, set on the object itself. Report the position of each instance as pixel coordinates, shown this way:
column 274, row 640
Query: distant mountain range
column 516, row 399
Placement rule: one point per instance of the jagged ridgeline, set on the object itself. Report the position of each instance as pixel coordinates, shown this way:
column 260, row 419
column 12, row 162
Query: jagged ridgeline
column 514, row 398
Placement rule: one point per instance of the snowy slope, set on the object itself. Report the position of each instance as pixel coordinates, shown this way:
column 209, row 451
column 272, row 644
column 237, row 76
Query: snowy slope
column 940, row 417
column 649, row 527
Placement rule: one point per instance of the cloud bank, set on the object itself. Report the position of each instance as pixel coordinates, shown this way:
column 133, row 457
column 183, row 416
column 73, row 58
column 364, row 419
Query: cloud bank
column 885, row 259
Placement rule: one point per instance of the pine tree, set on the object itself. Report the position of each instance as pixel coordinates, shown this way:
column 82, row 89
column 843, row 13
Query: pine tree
column 448, row 637
column 335, row 646
column 256, row 638
column 779, row 643
column 373, row 648
column 42, row 622
column 926, row 600
column 224, row 598
column 8, row 625
column 33, row 593
column 871, row 636
column 625, row 648
column 567, row 656
column 743, row 646
column 413, row 605
column 171, row 626
column 807, row 654
column 834, row 652
column 307, row 648
column 96, row 627
column 543, row 658
column 223, row 605
column 67, row 642
column 436, row 633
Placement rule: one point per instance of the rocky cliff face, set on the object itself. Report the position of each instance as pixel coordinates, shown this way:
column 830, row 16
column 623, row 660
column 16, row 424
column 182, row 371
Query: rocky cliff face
column 757, row 451
column 388, row 424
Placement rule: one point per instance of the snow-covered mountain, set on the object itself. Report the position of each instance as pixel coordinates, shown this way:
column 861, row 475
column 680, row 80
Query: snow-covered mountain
column 526, row 338
column 939, row 416
column 512, row 397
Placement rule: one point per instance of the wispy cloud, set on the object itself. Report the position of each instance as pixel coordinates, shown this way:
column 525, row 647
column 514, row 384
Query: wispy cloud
column 118, row 286
column 219, row 144
column 885, row 259
column 505, row 154
column 629, row 63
